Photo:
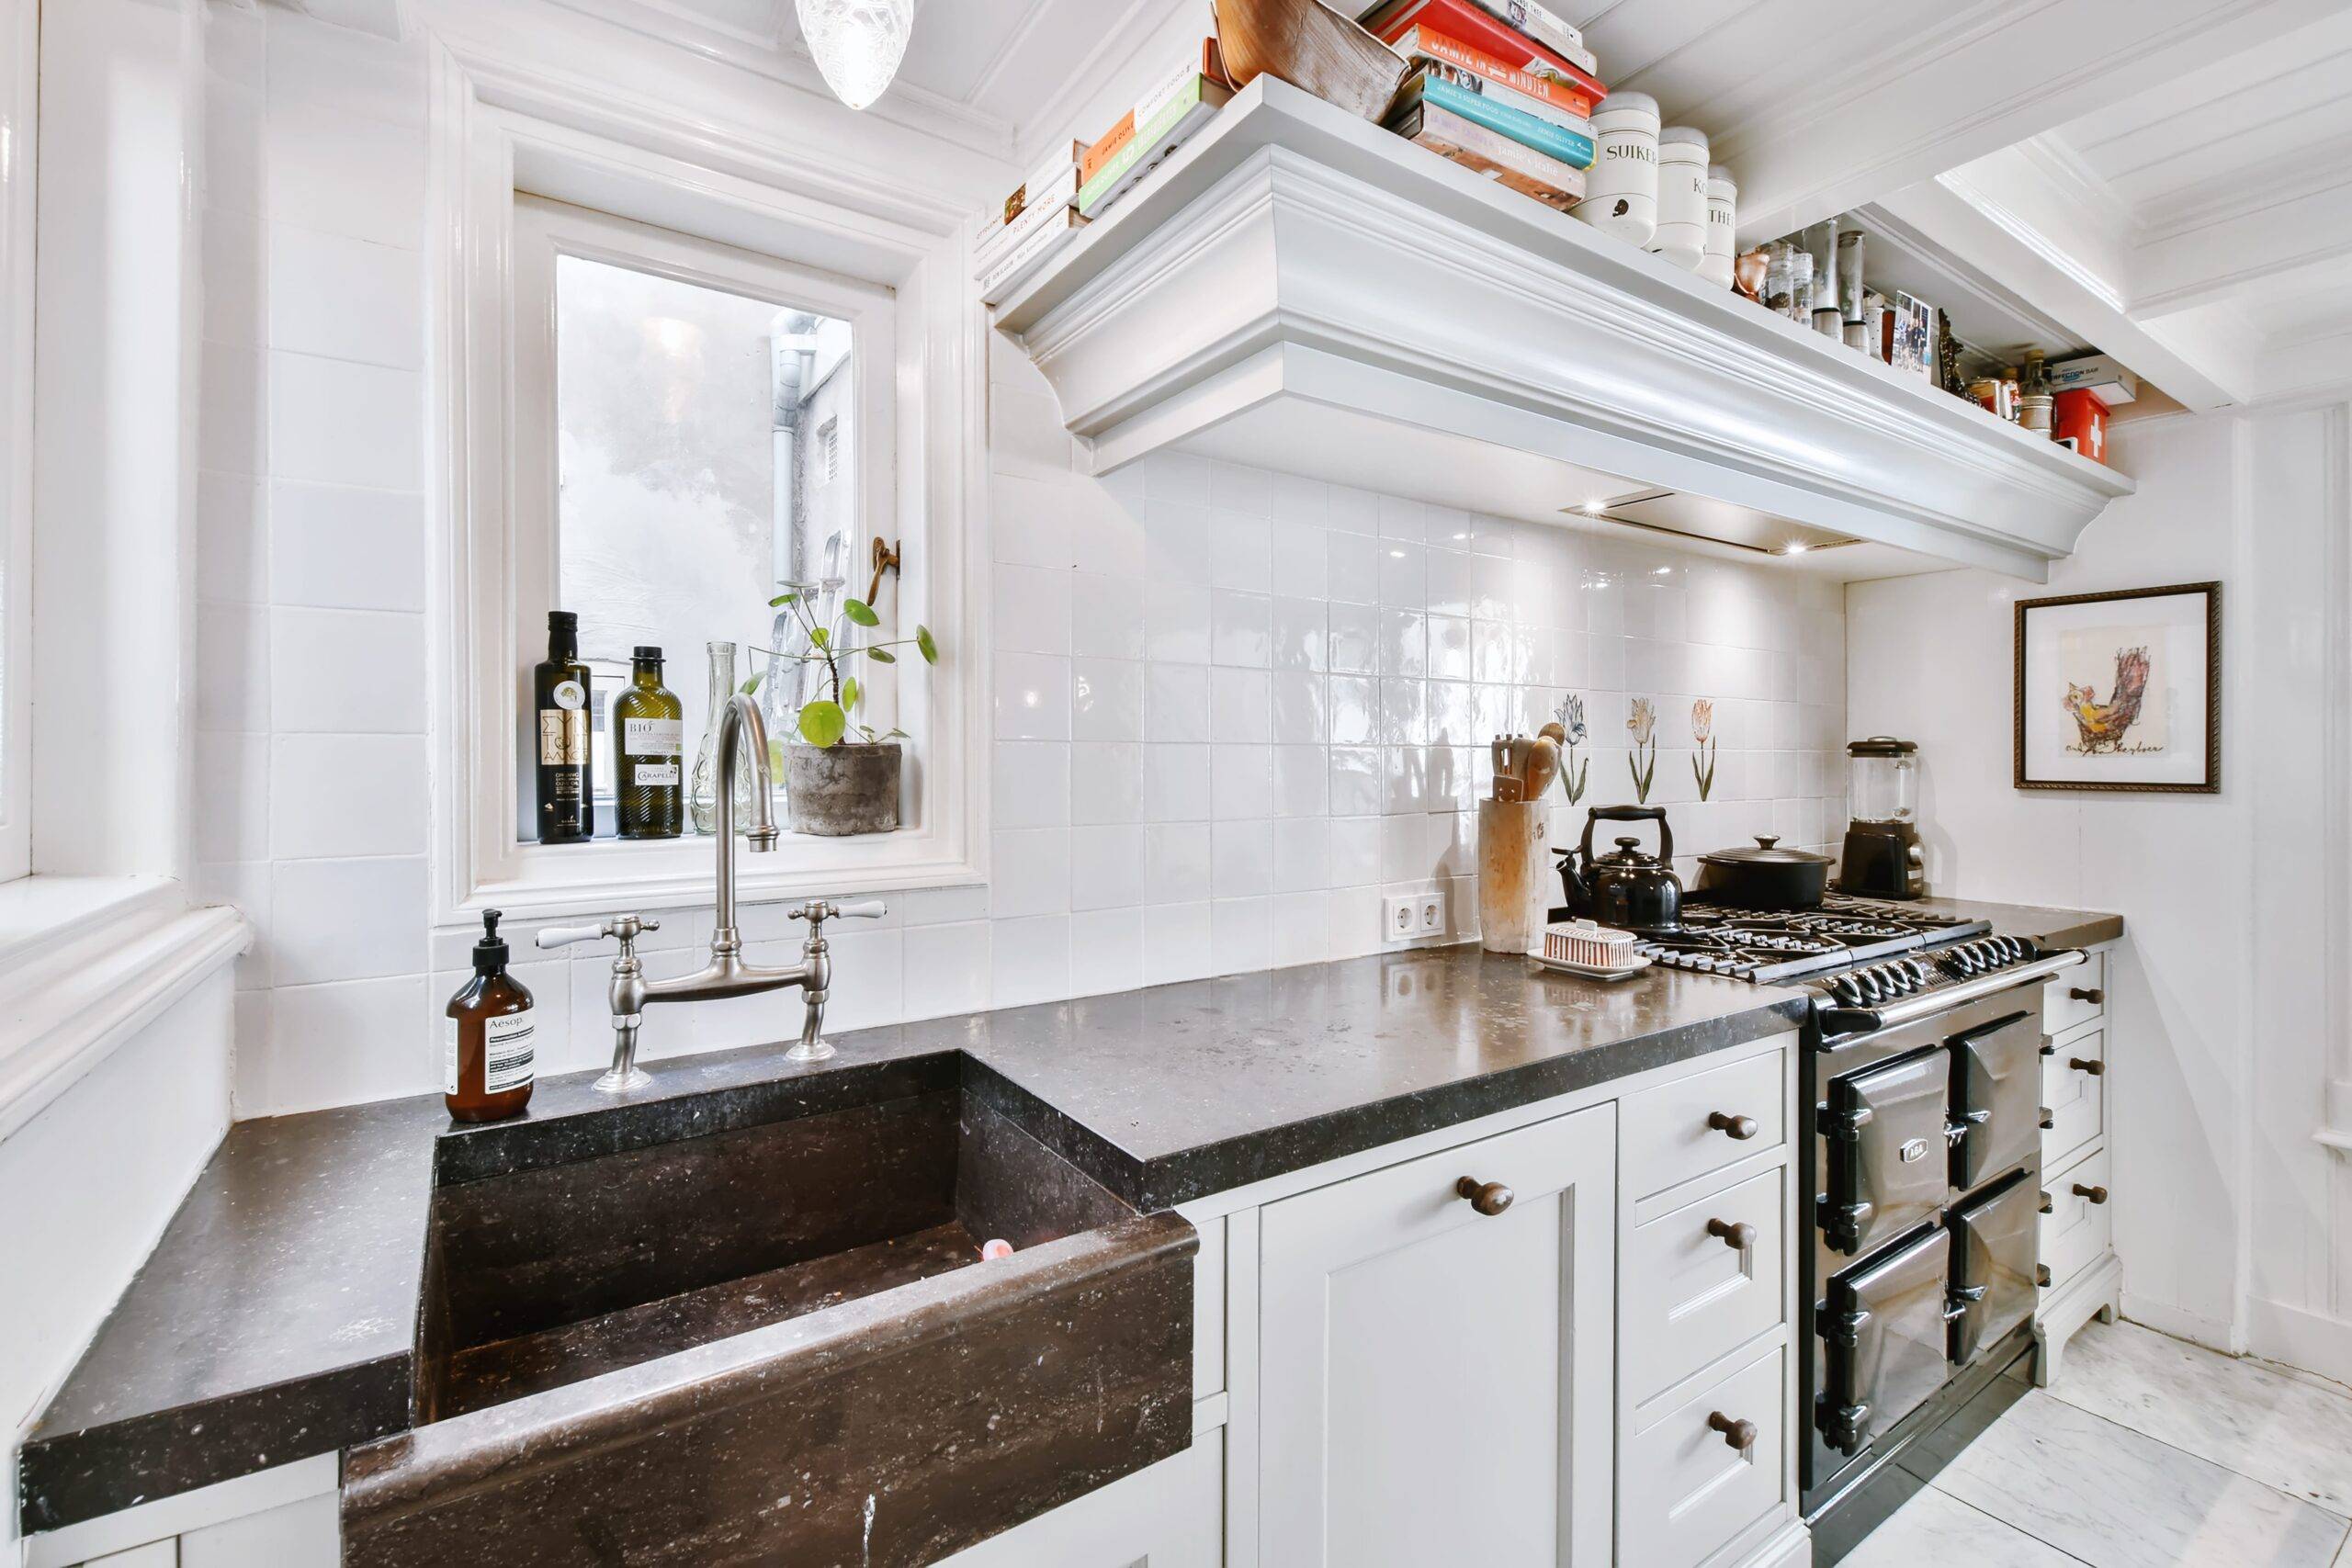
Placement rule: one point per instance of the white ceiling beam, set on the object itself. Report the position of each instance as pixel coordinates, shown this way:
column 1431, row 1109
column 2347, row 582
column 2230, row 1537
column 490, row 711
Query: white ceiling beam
column 2010, row 215
column 2212, row 253
column 2001, row 72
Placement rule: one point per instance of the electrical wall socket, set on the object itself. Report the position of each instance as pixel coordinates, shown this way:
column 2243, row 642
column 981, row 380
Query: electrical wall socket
column 1409, row 917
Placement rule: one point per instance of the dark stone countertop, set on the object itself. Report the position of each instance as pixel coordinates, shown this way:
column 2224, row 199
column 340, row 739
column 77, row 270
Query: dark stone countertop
column 276, row 1318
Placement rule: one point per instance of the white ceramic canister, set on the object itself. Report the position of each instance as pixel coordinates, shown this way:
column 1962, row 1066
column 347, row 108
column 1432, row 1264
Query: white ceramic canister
column 1681, row 235
column 1621, row 189
column 1723, row 228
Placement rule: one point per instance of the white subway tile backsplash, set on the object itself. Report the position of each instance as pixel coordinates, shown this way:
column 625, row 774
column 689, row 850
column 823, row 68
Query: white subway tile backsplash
column 343, row 70
column 1241, row 710
column 1176, row 783
column 1241, row 628
column 1240, row 935
column 1029, row 521
column 345, row 173
column 1033, row 610
column 1352, row 564
column 1176, row 703
column 357, row 1040
column 1175, row 862
column 1106, row 699
column 1241, row 781
column 1031, row 961
column 1031, row 787
column 1242, row 859
column 948, row 968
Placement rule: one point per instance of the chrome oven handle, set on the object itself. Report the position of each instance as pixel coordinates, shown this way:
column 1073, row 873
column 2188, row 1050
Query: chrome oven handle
column 1927, row 1005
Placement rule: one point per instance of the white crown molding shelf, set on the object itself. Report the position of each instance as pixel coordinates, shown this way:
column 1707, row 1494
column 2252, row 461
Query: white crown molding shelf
column 1299, row 289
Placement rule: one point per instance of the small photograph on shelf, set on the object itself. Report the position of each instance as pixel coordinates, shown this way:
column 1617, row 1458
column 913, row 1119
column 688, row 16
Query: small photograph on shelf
column 2120, row 691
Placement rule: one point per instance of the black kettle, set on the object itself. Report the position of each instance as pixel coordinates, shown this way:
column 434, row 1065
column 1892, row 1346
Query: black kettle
column 1627, row 889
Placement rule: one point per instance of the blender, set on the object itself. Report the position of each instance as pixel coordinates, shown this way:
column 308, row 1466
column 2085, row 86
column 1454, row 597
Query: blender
column 1883, row 859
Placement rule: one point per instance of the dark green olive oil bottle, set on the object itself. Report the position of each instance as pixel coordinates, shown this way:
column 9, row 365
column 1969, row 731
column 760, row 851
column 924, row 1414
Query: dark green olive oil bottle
column 650, row 740
column 560, row 690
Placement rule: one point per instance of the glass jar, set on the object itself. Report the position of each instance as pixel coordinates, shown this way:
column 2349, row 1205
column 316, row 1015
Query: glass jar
column 1883, row 779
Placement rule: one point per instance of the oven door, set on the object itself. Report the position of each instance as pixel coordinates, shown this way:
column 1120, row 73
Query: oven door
column 1992, row 1264
column 1882, row 1338
column 1882, row 1142
column 1996, row 1098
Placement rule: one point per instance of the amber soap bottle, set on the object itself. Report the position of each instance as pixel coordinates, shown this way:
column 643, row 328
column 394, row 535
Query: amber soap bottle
column 486, row 1038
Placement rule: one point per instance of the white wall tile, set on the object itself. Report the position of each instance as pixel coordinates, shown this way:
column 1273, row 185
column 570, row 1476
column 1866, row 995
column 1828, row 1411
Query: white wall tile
column 335, row 546
column 345, row 299
column 347, row 920
column 1106, row 699
column 1240, row 935
column 1106, row 867
column 346, row 795
column 1031, row 961
column 231, row 539
column 1176, row 863
column 1107, row 782
column 342, row 71
column 1033, row 610
column 1106, row 953
column 1033, row 694
column 1029, row 872
column 335, row 421
column 1031, row 789
column 948, row 968
column 347, row 670
column 345, row 173
column 232, row 668
column 357, row 1040
column 1176, row 945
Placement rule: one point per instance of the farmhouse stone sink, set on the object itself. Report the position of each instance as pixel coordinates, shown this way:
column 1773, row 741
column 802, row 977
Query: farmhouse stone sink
column 778, row 1343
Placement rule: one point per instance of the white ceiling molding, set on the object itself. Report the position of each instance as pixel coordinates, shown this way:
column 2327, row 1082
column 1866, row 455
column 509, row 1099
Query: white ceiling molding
column 1299, row 289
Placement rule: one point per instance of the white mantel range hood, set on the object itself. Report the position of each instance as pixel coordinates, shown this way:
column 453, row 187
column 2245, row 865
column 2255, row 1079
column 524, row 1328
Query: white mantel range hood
column 1300, row 290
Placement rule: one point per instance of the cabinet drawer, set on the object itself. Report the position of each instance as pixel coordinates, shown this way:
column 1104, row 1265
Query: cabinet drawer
column 2076, row 1232
column 2061, row 1010
column 1684, row 1491
column 2076, row 1097
column 1690, row 1295
column 1668, row 1139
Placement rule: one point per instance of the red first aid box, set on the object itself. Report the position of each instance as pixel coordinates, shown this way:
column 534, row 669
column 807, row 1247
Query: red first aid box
column 2077, row 419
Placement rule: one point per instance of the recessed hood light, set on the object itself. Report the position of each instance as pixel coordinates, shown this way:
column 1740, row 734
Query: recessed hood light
column 1715, row 521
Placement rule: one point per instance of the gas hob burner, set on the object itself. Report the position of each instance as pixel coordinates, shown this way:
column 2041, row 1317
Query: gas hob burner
column 1769, row 947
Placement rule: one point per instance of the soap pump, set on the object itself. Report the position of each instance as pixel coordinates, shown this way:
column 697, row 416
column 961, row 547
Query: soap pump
column 486, row 1038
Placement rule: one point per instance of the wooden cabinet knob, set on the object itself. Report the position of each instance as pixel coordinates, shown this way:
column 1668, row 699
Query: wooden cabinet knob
column 1737, row 1234
column 1488, row 1197
column 2090, row 994
column 1740, row 1128
column 2041, row 1275
column 2095, row 1194
column 2088, row 1065
column 1740, row 1434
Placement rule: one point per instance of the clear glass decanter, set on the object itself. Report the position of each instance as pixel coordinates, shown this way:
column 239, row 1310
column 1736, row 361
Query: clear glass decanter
column 702, row 790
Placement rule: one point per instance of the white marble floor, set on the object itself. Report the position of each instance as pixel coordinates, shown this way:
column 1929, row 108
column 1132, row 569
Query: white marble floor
column 2146, row 1454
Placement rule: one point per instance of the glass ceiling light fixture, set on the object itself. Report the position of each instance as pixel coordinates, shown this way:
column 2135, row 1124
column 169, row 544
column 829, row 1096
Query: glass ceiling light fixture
column 858, row 43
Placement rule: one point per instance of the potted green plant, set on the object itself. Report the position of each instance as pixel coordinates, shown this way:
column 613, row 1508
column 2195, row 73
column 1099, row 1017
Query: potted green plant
column 836, row 786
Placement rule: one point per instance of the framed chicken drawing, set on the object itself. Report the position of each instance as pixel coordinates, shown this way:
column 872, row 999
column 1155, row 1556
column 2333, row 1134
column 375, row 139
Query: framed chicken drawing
column 2120, row 691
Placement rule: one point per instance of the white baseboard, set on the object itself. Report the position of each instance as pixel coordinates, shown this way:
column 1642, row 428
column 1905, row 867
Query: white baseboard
column 2181, row 1324
column 2313, row 1341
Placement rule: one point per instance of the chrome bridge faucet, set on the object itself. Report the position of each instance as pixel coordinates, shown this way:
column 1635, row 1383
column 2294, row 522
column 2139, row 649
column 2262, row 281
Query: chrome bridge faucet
column 740, row 733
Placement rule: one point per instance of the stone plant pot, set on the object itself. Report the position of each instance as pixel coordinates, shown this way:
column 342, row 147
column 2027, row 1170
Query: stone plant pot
column 836, row 791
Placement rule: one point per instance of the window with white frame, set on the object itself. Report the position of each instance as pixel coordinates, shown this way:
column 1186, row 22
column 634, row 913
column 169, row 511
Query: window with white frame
column 695, row 394
column 666, row 392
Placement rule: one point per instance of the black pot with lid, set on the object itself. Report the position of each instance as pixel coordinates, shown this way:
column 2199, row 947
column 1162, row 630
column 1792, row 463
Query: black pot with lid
column 1765, row 877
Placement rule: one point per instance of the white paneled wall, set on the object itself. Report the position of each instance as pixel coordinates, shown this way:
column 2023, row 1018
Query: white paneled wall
column 1232, row 708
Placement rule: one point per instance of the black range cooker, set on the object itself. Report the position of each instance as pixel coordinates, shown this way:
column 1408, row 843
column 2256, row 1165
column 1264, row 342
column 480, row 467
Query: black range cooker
column 1922, row 1059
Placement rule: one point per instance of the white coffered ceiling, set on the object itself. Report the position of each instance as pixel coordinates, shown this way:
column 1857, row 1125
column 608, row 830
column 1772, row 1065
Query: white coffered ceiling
column 2201, row 228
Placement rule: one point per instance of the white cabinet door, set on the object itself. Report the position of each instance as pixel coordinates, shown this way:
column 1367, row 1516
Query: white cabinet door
column 1434, row 1382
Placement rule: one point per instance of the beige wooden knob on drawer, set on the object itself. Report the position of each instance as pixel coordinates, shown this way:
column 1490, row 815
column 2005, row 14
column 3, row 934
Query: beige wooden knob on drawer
column 1740, row 1434
column 1739, row 1235
column 1740, row 1128
column 1489, row 1197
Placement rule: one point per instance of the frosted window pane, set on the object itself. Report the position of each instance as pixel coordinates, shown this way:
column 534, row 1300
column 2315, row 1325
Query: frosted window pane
column 690, row 478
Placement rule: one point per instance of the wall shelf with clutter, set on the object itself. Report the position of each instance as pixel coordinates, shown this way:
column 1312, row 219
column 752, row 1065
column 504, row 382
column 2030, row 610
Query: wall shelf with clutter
column 1297, row 288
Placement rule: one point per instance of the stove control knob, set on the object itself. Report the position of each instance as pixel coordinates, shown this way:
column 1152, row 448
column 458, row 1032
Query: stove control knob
column 1844, row 989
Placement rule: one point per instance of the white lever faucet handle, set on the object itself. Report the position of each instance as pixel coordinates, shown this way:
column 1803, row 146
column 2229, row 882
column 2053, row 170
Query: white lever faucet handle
column 863, row 909
column 564, row 936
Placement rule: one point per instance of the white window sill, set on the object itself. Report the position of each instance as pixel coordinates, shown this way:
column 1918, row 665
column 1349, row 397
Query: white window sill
column 607, row 875
column 85, row 962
